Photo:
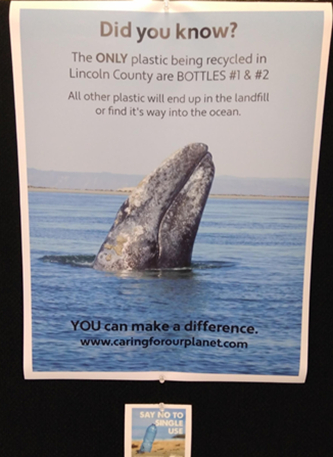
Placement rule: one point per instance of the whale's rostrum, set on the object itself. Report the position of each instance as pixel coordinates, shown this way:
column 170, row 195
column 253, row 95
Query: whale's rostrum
column 155, row 228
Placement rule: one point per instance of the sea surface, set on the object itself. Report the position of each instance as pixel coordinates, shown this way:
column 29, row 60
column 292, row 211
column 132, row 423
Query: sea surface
column 247, row 273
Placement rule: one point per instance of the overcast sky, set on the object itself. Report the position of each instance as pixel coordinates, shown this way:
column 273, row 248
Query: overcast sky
column 139, row 425
column 269, row 139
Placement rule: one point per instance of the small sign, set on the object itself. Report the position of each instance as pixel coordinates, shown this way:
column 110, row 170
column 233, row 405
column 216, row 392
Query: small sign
column 158, row 430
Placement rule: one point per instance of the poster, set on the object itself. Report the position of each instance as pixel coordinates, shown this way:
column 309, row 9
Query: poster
column 158, row 429
column 105, row 93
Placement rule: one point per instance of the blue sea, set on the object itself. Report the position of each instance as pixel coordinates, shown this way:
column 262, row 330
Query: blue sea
column 236, row 311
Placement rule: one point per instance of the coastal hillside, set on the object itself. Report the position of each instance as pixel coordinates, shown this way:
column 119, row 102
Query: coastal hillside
column 227, row 185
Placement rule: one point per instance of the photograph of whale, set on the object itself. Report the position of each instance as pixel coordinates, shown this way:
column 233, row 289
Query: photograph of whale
column 155, row 228
column 175, row 256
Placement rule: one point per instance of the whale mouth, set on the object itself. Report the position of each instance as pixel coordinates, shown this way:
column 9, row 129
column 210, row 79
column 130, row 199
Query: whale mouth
column 186, row 180
column 157, row 225
column 155, row 193
column 180, row 222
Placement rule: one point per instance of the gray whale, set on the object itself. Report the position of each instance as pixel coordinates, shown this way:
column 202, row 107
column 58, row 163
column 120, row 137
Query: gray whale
column 155, row 228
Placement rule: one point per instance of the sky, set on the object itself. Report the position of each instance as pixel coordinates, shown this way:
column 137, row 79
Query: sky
column 272, row 138
column 139, row 425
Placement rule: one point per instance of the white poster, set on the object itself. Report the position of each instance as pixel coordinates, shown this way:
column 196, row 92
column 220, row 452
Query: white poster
column 168, row 164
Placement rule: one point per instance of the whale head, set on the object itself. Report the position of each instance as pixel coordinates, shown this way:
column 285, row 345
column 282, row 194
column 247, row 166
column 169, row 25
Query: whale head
column 155, row 228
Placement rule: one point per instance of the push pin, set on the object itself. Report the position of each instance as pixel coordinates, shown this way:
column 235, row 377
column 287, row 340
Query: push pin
column 166, row 5
column 161, row 406
column 162, row 379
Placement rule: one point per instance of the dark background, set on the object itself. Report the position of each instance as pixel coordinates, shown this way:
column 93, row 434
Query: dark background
column 85, row 418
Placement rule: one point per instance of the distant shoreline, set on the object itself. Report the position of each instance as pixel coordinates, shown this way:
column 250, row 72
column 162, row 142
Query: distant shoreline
column 119, row 192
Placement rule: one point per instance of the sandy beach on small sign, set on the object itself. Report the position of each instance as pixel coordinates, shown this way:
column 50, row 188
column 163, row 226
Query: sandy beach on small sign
column 162, row 448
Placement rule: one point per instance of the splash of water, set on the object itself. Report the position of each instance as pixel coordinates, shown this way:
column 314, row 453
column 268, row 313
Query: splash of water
column 85, row 261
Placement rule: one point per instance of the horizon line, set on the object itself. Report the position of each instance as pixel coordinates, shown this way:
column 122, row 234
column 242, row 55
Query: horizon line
column 126, row 192
column 143, row 175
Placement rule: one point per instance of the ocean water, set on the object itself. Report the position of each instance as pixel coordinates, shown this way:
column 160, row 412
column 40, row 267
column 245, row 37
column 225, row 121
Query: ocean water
column 247, row 274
